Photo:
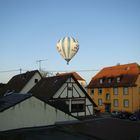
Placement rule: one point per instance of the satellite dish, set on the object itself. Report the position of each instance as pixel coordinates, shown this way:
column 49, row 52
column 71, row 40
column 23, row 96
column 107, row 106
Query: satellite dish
column 67, row 47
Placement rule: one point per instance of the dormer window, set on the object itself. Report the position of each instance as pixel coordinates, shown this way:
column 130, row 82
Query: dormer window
column 118, row 79
column 36, row 80
column 101, row 81
column 109, row 80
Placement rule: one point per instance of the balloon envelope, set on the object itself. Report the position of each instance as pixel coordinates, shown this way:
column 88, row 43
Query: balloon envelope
column 67, row 47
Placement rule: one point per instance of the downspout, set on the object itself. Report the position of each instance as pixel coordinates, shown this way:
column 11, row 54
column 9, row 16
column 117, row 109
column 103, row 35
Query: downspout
column 132, row 99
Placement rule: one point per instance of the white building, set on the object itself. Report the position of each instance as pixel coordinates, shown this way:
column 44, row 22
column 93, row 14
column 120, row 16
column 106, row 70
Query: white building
column 50, row 100
column 21, row 83
column 65, row 93
column 24, row 110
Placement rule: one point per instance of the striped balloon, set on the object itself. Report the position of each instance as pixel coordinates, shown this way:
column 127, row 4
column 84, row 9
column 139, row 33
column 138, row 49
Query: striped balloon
column 67, row 47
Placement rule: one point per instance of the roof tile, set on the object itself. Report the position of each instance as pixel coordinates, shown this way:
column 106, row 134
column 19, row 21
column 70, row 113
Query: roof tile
column 128, row 74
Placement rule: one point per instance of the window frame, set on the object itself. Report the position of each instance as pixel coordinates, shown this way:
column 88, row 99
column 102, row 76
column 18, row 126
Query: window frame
column 36, row 80
column 116, row 101
column 78, row 107
column 100, row 91
column 101, row 81
column 109, row 80
column 92, row 91
column 107, row 97
column 124, row 91
column 118, row 79
column 100, row 102
column 115, row 91
column 124, row 103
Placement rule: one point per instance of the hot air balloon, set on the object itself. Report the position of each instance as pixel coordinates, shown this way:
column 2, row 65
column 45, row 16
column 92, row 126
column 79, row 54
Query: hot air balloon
column 67, row 47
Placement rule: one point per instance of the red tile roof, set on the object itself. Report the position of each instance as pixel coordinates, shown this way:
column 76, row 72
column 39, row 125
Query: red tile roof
column 75, row 74
column 128, row 74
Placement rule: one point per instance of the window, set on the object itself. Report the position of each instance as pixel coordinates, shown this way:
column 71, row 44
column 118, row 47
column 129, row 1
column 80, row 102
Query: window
column 107, row 96
column 69, row 88
column 126, row 103
column 115, row 91
column 99, row 91
column 99, row 102
column 118, row 79
column 36, row 80
column 125, row 91
column 101, row 81
column 109, row 80
column 92, row 91
column 78, row 106
column 116, row 102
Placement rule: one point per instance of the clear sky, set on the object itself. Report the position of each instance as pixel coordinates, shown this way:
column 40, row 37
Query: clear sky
column 108, row 32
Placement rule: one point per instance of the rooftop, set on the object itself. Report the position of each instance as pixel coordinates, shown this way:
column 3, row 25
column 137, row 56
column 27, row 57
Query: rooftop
column 98, row 129
column 75, row 74
column 119, row 75
column 11, row 100
column 17, row 82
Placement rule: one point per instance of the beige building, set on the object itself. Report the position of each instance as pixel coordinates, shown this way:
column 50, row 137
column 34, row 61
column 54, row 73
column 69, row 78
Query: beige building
column 116, row 88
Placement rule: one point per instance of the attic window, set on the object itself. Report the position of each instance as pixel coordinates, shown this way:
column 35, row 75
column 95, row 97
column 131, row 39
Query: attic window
column 118, row 79
column 36, row 80
column 101, row 81
column 109, row 80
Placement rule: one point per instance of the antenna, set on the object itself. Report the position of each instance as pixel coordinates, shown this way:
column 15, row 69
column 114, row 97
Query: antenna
column 20, row 70
column 39, row 62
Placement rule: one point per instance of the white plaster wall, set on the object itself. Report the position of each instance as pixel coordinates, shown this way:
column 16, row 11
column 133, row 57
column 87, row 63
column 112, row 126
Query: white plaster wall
column 79, row 114
column 78, row 90
column 89, row 110
column 75, row 94
column 88, row 102
column 31, row 83
column 30, row 113
column 60, row 91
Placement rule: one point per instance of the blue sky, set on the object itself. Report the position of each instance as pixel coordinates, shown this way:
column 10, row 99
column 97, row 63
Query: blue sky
column 108, row 32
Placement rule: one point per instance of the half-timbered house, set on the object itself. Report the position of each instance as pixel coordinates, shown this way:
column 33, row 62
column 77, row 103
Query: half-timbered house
column 65, row 93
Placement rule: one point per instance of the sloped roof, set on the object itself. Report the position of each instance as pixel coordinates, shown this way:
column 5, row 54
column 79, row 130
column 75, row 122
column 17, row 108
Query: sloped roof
column 2, row 85
column 128, row 74
column 18, row 82
column 11, row 100
column 75, row 74
column 47, row 87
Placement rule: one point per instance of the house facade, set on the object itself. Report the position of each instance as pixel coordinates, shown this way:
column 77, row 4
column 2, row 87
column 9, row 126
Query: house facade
column 24, row 111
column 65, row 93
column 116, row 88
column 21, row 83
